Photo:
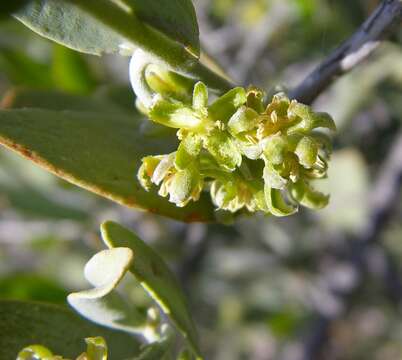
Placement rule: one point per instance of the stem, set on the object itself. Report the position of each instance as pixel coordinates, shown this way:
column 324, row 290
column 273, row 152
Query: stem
column 387, row 15
column 164, row 50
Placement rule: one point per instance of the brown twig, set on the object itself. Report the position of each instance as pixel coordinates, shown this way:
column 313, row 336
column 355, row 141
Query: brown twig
column 367, row 38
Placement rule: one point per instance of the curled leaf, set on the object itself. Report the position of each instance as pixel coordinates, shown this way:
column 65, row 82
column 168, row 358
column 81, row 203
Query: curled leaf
column 155, row 277
column 101, row 304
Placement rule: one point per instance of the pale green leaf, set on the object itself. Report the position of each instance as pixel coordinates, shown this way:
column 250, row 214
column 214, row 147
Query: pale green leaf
column 67, row 24
column 156, row 278
column 174, row 18
column 101, row 304
column 97, row 151
column 57, row 100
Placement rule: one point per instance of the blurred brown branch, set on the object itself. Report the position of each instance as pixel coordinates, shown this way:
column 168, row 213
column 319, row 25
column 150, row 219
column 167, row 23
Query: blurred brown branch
column 367, row 38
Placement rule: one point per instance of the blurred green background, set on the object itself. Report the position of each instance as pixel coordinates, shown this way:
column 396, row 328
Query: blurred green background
column 260, row 288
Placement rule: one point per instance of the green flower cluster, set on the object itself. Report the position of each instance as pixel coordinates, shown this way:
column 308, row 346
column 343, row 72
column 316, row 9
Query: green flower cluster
column 248, row 154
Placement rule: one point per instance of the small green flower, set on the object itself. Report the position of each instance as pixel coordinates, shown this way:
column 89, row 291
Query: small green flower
column 248, row 154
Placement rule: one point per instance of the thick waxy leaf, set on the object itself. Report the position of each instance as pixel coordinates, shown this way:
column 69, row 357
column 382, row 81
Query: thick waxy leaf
column 101, row 304
column 56, row 100
column 156, row 278
column 67, row 24
column 99, row 152
column 56, row 328
column 175, row 18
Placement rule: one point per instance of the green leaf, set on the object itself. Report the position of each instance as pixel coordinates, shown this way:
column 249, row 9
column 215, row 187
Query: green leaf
column 56, row 328
column 175, row 18
column 98, row 151
column 67, row 24
column 156, row 278
column 101, row 304
column 56, row 100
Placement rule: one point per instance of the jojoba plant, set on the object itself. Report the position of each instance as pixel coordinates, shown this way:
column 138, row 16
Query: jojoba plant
column 247, row 151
